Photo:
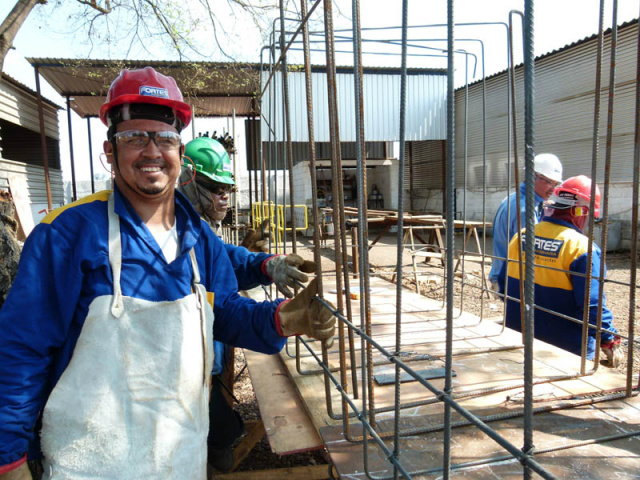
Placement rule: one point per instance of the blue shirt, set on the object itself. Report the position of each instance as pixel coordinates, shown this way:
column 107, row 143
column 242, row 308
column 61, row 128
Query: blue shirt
column 64, row 266
column 505, row 227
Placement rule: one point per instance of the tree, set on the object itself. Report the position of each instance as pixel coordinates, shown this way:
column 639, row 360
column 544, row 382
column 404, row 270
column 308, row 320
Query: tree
column 174, row 22
column 10, row 26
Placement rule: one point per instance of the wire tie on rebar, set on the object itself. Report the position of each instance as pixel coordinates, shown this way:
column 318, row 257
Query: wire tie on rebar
column 392, row 457
column 527, row 455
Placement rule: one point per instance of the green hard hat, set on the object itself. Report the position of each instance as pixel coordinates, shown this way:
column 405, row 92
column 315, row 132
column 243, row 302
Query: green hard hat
column 210, row 159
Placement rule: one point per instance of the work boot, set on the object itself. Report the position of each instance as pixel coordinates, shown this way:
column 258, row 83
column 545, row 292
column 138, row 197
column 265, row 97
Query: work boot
column 221, row 458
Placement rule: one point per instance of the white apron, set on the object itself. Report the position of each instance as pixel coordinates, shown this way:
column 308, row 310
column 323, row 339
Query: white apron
column 133, row 401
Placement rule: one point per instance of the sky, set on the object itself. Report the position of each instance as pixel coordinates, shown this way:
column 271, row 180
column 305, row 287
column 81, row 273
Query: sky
column 49, row 32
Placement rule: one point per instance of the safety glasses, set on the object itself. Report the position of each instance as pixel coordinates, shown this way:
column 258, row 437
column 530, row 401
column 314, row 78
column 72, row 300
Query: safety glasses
column 218, row 190
column 546, row 181
column 139, row 139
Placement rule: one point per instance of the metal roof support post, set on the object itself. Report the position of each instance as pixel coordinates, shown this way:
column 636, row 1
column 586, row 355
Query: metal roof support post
column 93, row 183
column 74, row 196
column 235, row 176
column 43, row 141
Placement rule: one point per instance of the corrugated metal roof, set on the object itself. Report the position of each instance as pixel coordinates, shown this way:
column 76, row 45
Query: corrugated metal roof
column 214, row 88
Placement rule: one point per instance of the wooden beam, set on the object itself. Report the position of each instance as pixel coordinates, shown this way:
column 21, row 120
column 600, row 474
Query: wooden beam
column 255, row 432
column 312, row 472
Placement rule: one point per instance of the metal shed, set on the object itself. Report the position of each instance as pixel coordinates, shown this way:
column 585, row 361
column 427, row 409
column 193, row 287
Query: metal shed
column 426, row 113
column 21, row 151
column 564, row 109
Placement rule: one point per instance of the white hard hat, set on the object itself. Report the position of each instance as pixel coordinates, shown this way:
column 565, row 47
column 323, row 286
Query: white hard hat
column 549, row 165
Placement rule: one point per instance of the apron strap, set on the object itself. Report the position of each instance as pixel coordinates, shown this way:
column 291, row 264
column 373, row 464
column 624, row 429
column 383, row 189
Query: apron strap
column 115, row 257
column 201, row 300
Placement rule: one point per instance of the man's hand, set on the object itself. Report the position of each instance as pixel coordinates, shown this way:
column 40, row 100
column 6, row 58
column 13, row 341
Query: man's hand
column 20, row 473
column 285, row 270
column 613, row 352
column 254, row 242
column 306, row 315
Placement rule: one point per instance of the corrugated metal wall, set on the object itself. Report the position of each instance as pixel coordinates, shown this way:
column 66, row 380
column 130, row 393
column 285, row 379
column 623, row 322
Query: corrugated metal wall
column 426, row 109
column 35, row 181
column 20, row 108
column 564, row 106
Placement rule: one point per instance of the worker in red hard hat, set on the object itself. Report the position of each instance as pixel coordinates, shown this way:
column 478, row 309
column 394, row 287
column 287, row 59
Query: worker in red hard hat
column 560, row 269
column 106, row 345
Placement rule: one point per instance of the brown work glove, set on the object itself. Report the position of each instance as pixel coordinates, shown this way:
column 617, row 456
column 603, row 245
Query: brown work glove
column 304, row 314
column 613, row 352
column 20, row 473
column 284, row 270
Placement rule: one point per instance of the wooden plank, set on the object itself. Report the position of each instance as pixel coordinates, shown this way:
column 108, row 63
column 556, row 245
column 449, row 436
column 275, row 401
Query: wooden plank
column 286, row 421
column 312, row 472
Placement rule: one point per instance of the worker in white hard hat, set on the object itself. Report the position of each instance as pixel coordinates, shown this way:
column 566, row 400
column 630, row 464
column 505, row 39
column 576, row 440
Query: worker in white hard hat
column 548, row 173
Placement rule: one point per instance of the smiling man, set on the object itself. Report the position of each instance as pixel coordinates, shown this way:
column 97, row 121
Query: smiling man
column 106, row 345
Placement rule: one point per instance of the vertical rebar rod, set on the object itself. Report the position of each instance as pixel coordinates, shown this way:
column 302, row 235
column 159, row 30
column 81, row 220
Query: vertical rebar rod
column 634, row 225
column 272, row 165
column 594, row 175
column 516, row 172
column 361, row 180
column 289, row 149
column 366, row 354
column 336, row 185
column 450, row 217
column 529, row 138
column 607, row 181
column 400, row 231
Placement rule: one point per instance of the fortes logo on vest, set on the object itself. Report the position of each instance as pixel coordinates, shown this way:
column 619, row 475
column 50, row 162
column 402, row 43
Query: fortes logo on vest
column 154, row 91
column 548, row 247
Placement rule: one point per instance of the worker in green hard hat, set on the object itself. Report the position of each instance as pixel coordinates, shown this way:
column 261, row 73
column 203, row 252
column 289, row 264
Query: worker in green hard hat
column 207, row 181
column 213, row 183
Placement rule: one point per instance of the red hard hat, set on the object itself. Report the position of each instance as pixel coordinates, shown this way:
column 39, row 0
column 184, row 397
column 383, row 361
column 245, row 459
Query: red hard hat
column 576, row 191
column 145, row 86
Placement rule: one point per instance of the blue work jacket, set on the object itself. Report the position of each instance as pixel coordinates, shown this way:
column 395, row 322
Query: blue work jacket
column 64, row 266
column 505, row 227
